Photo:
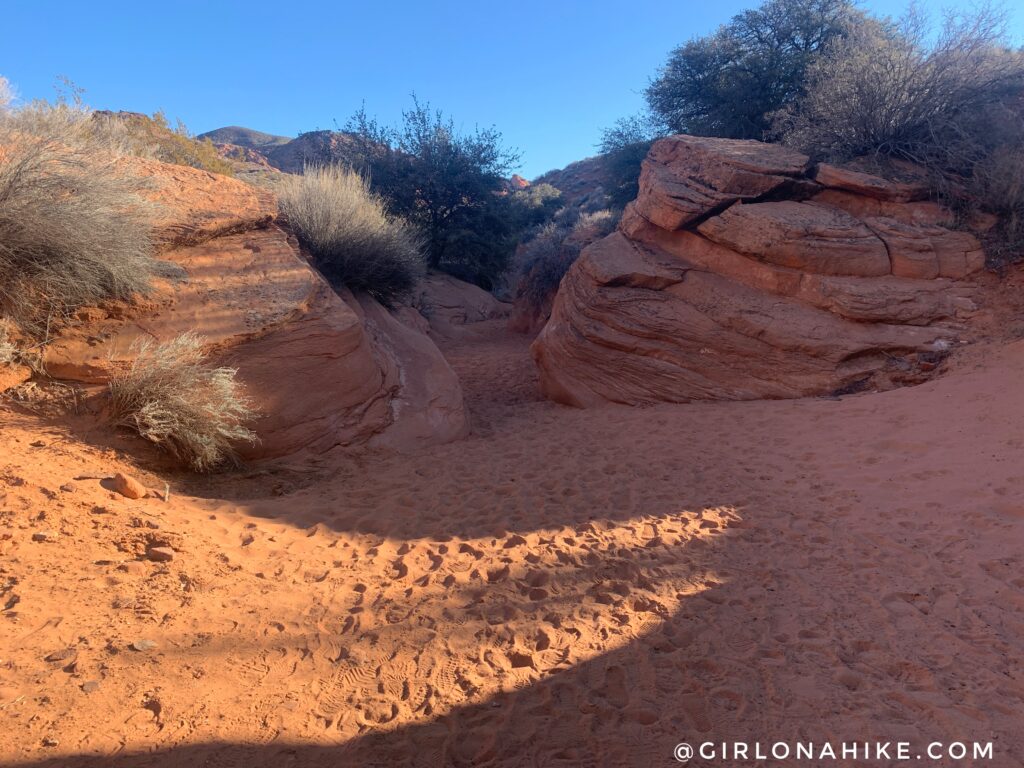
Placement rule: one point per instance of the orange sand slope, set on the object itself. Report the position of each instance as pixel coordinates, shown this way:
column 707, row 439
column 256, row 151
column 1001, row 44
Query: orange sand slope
column 564, row 587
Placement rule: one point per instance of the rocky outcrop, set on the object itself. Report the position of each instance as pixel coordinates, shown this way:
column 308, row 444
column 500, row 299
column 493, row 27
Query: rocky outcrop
column 448, row 303
column 578, row 182
column 743, row 271
column 325, row 370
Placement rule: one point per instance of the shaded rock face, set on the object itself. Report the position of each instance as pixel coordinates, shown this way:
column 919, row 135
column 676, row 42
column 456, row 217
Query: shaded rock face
column 324, row 369
column 742, row 271
column 447, row 304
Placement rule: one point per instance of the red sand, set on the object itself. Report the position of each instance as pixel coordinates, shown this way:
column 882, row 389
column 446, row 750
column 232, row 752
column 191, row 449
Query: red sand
column 564, row 587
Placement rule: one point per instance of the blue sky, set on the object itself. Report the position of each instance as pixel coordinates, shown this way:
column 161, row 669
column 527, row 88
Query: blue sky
column 549, row 74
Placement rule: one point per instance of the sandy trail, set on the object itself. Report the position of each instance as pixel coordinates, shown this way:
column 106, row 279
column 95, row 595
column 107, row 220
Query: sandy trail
column 564, row 587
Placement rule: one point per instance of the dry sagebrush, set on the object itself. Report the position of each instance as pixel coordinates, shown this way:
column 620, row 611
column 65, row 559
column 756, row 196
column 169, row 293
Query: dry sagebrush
column 8, row 351
column 547, row 256
column 900, row 90
column 175, row 400
column 349, row 233
column 73, row 230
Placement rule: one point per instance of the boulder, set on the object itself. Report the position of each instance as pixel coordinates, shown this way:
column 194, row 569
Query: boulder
column 324, row 370
column 447, row 302
column 735, row 276
column 686, row 178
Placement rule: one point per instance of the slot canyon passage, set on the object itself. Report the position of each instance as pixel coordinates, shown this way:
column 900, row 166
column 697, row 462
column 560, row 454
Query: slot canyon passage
column 561, row 587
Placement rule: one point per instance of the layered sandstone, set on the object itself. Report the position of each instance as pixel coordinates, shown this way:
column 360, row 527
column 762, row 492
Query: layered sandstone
column 744, row 271
column 324, row 369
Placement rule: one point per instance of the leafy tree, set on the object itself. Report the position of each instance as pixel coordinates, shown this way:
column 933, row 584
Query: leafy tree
column 950, row 100
column 623, row 148
column 899, row 89
column 450, row 184
column 727, row 84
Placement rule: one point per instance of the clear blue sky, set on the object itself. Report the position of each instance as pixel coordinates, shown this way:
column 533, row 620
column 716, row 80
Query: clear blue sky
column 548, row 73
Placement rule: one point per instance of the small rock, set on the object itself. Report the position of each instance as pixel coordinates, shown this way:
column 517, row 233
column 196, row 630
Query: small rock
column 142, row 645
column 69, row 488
column 160, row 554
column 90, row 685
column 64, row 654
column 44, row 536
column 128, row 486
column 49, row 741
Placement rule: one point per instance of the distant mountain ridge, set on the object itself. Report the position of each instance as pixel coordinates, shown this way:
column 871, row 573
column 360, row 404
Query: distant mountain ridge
column 286, row 154
column 244, row 137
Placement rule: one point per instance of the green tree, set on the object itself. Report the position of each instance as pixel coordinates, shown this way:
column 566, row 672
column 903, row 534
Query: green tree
column 623, row 148
column 728, row 83
column 450, row 184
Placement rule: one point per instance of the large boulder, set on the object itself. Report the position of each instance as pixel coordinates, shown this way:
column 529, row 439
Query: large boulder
column 448, row 303
column 742, row 271
column 685, row 178
column 324, row 369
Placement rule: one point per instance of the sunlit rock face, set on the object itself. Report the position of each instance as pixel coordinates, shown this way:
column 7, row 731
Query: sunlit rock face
column 744, row 271
column 324, row 368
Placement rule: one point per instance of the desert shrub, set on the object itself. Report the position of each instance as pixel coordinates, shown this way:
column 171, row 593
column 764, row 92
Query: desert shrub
column 547, row 256
column 896, row 90
column 534, row 205
column 171, row 397
column 451, row 185
column 354, row 241
column 951, row 102
column 8, row 350
column 623, row 148
column 73, row 229
column 155, row 138
column 728, row 83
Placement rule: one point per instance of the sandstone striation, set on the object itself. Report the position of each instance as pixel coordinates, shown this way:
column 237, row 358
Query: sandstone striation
column 743, row 271
column 324, row 370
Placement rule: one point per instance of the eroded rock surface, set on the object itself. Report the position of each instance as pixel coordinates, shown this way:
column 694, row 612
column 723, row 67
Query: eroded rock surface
column 742, row 271
column 448, row 303
column 324, row 370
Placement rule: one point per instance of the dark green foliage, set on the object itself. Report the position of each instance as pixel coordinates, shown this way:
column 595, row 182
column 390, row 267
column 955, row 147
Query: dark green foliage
column 448, row 184
column 727, row 84
column 547, row 256
column 623, row 148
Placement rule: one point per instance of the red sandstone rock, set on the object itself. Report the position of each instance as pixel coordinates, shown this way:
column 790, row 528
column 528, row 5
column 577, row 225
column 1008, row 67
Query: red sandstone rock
column 13, row 375
column 319, row 375
column 869, row 185
column 193, row 205
column 447, row 303
column 685, row 178
column 128, row 486
column 718, row 287
column 810, row 238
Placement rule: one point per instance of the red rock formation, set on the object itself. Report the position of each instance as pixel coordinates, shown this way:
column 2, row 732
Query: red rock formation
column 743, row 272
column 448, row 303
column 324, row 370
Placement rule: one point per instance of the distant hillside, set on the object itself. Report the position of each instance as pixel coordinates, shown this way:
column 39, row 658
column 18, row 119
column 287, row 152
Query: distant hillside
column 313, row 148
column 578, row 182
column 244, row 137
